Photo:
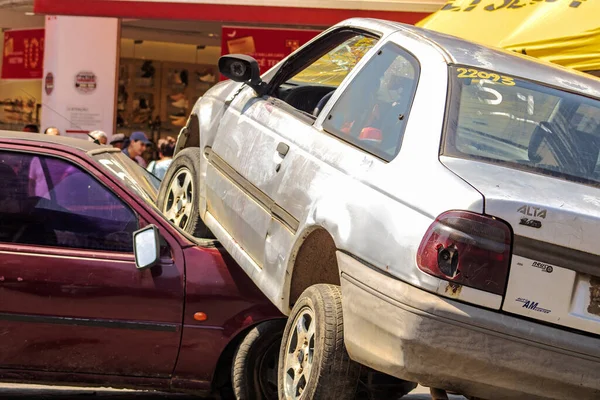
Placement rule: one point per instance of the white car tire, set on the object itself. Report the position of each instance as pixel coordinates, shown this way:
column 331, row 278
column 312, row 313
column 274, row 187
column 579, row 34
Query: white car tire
column 178, row 196
column 313, row 361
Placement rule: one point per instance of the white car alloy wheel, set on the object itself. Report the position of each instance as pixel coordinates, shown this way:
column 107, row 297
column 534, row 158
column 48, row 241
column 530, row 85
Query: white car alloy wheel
column 178, row 205
column 300, row 350
column 313, row 361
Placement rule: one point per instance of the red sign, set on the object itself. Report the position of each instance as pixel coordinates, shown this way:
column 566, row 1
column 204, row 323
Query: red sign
column 49, row 83
column 267, row 45
column 23, row 54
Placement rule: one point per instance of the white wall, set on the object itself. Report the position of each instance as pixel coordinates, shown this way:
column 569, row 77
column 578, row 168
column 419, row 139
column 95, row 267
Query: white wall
column 73, row 45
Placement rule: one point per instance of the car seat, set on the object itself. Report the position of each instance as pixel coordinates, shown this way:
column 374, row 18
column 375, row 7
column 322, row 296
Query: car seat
column 321, row 103
column 566, row 151
column 306, row 98
column 9, row 205
column 20, row 223
column 8, row 180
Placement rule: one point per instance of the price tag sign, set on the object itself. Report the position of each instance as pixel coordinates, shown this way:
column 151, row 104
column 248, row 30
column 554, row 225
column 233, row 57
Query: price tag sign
column 23, row 54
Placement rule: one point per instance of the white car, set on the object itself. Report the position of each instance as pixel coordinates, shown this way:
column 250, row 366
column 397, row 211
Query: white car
column 415, row 203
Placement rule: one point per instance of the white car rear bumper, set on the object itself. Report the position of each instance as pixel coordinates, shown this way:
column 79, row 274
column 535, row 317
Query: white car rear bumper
column 418, row 336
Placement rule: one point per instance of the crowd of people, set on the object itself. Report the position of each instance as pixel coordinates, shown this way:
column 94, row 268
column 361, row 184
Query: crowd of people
column 137, row 147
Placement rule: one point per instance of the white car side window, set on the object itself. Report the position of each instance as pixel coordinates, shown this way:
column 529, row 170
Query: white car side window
column 373, row 111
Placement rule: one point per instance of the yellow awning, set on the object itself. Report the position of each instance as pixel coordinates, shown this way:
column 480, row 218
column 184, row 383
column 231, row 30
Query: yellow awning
column 566, row 32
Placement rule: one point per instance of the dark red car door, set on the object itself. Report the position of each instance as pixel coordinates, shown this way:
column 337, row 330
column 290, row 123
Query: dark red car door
column 71, row 298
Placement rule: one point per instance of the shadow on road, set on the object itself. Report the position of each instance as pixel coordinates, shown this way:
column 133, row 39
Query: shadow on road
column 21, row 392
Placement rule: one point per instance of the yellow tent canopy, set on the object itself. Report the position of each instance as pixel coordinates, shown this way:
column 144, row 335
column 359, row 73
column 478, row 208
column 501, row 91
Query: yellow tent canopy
column 566, row 32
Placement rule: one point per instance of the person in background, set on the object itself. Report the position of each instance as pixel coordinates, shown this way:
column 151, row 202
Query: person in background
column 52, row 130
column 100, row 136
column 122, row 143
column 166, row 148
column 33, row 128
column 118, row 141
column 137, row 145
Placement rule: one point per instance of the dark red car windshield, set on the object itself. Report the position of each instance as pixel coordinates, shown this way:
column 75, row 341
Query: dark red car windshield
column 131, row 175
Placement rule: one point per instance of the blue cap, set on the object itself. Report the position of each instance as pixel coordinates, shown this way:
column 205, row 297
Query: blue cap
column 135, row 136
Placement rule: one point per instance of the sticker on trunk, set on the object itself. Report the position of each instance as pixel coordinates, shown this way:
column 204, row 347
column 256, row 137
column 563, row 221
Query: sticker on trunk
column 594, row 306
column 544, row 267
column 532, row 305
column 533, row 223
column 531, row 211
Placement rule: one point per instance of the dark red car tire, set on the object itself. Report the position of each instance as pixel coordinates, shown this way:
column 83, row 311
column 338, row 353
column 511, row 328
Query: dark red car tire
column 255, row 363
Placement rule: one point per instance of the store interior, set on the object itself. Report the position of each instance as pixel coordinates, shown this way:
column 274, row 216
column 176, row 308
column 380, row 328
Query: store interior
column 164, row 67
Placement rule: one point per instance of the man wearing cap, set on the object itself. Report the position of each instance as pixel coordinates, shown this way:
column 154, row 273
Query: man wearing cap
column 99, row 136
column 137, row 145
column 118, row 141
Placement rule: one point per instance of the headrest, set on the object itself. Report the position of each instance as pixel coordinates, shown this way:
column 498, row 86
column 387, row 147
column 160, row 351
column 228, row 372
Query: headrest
column 537, row 137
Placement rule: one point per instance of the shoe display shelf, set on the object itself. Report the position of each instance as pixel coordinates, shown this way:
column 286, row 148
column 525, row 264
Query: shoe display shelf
column 182, row 85
column 149, row 89
column 138, row 93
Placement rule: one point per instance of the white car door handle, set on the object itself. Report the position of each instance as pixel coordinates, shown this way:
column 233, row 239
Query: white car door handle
column 282, row 149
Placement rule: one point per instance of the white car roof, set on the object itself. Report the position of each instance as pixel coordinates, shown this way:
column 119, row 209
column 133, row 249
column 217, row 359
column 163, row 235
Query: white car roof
column 459, row 51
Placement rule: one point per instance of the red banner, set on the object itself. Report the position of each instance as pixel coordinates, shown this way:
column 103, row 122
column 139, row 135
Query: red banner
column 267, row 45
column 23, row 54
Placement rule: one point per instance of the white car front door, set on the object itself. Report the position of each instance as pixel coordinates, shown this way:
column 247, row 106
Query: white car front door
column 247, row 158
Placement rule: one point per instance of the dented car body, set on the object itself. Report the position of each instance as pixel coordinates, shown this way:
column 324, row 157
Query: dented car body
column 463, row 210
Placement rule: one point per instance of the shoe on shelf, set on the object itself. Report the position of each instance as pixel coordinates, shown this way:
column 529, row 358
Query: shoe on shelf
column 148, row 69
column 176, row 76
column 179, row 122
column 140, row 118
column 207, row 77
column 176, row 97
column 183, row 75
column 178, row 114
column 181, row 103
column 143, row 104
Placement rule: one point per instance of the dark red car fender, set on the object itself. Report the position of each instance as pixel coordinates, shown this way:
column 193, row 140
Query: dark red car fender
column 219, row 288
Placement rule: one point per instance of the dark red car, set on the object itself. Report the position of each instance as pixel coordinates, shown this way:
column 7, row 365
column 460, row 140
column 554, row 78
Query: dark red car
column 97, row 288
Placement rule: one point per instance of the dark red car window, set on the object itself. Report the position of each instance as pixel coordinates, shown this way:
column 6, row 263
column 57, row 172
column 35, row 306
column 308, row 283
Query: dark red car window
column 49, row 201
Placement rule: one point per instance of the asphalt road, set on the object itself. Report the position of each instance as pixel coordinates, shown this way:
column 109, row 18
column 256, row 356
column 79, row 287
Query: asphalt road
column 21, row 392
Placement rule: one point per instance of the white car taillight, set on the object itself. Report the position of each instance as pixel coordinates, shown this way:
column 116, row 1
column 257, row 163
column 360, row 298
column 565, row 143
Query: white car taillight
column 469, row 249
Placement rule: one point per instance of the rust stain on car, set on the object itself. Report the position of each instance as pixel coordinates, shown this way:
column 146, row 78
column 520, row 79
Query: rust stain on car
column 594, row 307
column 453, row 289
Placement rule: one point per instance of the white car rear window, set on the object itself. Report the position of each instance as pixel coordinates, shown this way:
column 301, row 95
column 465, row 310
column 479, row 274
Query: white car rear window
column 502, row 119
